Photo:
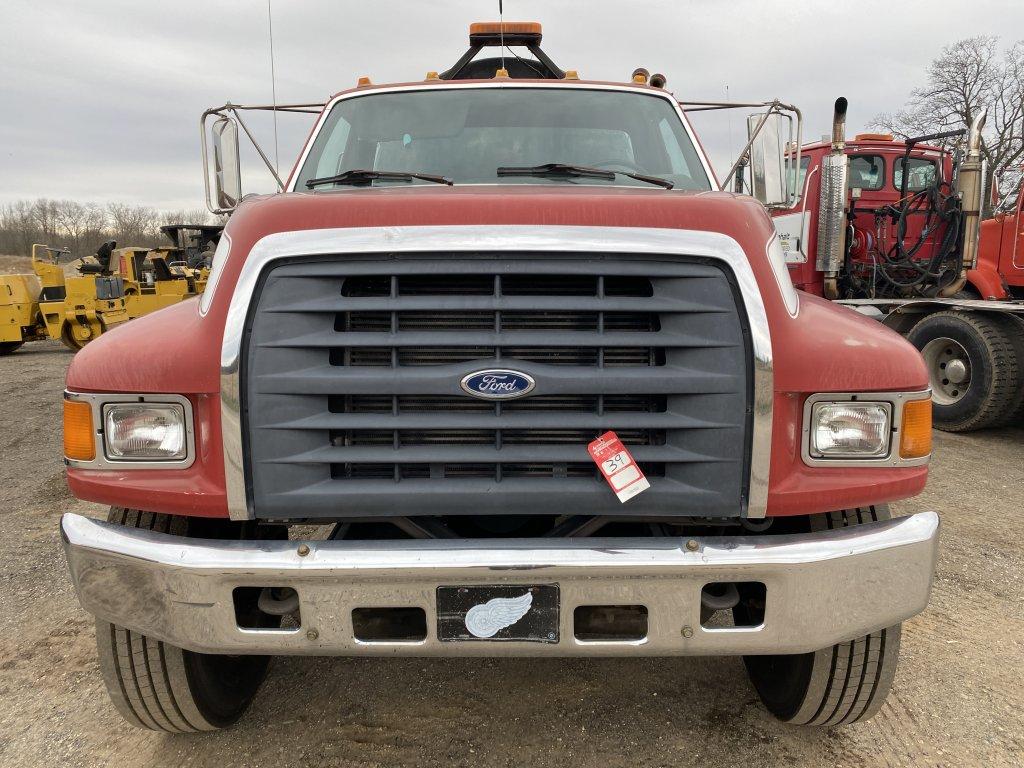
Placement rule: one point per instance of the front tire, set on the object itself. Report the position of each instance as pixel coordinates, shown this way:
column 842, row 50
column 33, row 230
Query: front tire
column 845, row 683
column 158, row 686
column 8, row 347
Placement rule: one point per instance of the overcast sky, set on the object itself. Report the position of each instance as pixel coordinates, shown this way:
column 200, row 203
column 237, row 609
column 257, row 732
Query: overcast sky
column 101, row 99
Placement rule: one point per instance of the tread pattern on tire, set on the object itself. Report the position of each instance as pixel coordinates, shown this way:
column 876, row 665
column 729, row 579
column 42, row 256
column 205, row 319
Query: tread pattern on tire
column 1014, row 415
column 851, row 680
column 146, row 677
column 998, row 338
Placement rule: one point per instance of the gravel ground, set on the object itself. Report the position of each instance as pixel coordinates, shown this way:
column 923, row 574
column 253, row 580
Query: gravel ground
column 958, row 698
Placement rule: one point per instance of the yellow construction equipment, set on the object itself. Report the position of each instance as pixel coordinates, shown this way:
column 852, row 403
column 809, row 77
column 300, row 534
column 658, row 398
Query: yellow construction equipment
column 115, row 285
column 155, row 278
column 77, row 310
column 18, row 311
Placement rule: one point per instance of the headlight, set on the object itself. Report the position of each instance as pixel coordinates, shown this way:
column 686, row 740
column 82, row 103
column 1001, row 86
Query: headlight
column 850, row 430
column 145, row 431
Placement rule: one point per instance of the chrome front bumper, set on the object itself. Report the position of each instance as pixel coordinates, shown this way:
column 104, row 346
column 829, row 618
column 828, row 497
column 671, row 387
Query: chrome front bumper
column 822, row 588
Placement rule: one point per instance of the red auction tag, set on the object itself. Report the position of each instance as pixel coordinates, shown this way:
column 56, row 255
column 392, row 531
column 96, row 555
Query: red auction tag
column 617, row 466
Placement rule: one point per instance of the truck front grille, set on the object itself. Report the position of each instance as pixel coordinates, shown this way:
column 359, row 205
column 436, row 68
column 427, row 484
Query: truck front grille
column 353, row 406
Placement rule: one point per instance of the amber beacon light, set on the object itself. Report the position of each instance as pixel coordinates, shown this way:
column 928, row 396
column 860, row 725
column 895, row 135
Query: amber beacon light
column 505, row 28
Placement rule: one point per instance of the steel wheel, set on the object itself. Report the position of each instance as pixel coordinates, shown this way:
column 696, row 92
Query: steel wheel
column 949, row 369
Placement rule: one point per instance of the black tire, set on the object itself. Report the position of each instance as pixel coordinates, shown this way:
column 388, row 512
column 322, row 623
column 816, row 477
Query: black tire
column 994, row 370
column 845, row 683
column 7, row 347
column 158, row 686
column 1015, row 412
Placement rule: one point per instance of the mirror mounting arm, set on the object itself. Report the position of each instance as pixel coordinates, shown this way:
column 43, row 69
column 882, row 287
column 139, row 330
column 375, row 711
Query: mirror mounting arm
column 774, row 107
column 233, row 113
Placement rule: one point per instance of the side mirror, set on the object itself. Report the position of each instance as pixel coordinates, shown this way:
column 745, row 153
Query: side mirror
column 227, row 170
column 768, row 135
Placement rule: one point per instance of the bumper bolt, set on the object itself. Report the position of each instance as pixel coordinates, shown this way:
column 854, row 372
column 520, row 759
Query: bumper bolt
column 687, row 632
column 692, row 545
column 312, row 635
column 303, row 550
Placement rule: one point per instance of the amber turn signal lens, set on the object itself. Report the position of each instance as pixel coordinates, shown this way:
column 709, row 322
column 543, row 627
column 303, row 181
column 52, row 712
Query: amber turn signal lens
column 79, row 443
column 916, row 429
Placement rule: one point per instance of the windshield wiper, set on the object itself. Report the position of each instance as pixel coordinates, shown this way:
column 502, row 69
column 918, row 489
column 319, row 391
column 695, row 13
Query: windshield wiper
column 364, row 176
column 578, row 171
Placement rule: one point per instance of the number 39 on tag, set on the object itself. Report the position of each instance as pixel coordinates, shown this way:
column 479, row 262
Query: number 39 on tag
column 617, row 466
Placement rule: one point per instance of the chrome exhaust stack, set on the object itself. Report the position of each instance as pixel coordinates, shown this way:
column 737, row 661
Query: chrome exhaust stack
column 832, row 204
column 970, row 183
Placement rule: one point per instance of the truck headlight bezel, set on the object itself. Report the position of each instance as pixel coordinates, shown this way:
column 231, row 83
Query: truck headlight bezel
column 176, row 408
column 845, row 405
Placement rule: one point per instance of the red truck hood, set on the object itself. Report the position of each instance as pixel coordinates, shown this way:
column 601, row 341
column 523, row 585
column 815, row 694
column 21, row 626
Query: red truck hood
column 436, row 205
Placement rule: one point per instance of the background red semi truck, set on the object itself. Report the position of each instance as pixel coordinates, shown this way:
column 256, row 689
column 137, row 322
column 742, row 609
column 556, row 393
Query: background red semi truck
column 909, row 250
column 568, row 238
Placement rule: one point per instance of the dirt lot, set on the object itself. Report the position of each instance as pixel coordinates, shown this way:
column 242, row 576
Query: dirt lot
column 958, row 700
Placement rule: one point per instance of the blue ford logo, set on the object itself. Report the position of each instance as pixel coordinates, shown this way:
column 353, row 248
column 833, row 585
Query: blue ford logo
column 498, row 384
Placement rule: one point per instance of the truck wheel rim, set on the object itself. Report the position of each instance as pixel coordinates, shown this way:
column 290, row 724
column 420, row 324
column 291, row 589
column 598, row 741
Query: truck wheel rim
column 949, row 370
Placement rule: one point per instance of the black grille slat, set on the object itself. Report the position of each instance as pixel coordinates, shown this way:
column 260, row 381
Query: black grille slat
column 437, row 380
column 503, row 303
column 458, row 452
column 353, row 368
column 329, row 339
column 485, row 419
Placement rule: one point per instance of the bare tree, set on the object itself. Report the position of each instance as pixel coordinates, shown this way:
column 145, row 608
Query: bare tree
column 133, row 224
column 18, row 228
column 45, row 215
column 82, row 227
column 186, row 216
column 968, row 76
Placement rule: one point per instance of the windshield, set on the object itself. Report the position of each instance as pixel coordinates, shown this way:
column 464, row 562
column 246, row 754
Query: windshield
column 466, row 134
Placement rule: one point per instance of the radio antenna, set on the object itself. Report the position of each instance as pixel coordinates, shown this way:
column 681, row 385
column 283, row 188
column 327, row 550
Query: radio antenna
column 501, row 30
column 273, row 88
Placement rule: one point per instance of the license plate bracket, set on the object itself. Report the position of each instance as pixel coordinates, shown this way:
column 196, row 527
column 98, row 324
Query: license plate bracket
column 498, row 613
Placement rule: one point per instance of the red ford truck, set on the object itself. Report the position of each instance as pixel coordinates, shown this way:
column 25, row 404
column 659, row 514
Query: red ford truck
column 376, row 432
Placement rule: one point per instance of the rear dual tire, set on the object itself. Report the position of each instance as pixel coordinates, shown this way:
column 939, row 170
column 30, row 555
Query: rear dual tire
column 845, row 683
column 164, row 688
column 975, row 367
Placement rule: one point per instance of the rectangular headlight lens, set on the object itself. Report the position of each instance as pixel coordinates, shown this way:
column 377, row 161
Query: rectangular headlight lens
column 145, row 431
column 850, row 430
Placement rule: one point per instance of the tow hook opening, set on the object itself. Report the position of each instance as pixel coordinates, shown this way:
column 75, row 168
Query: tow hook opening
column 610, row 622
column 389, row 625
column 267, row 608
column 732, row 604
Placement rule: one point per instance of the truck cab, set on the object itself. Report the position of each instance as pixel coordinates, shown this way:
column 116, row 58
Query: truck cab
column 876, row 188
column 501, row 371
column 1000, row 271
column 911, row 251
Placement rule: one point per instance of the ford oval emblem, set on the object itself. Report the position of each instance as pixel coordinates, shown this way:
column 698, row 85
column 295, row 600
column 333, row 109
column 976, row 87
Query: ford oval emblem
column 498, row 384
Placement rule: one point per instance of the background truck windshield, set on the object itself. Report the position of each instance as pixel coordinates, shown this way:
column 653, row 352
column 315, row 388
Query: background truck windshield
column 467, row 133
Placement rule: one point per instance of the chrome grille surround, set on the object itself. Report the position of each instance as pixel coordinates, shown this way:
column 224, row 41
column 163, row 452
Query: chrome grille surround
column 466, row 239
